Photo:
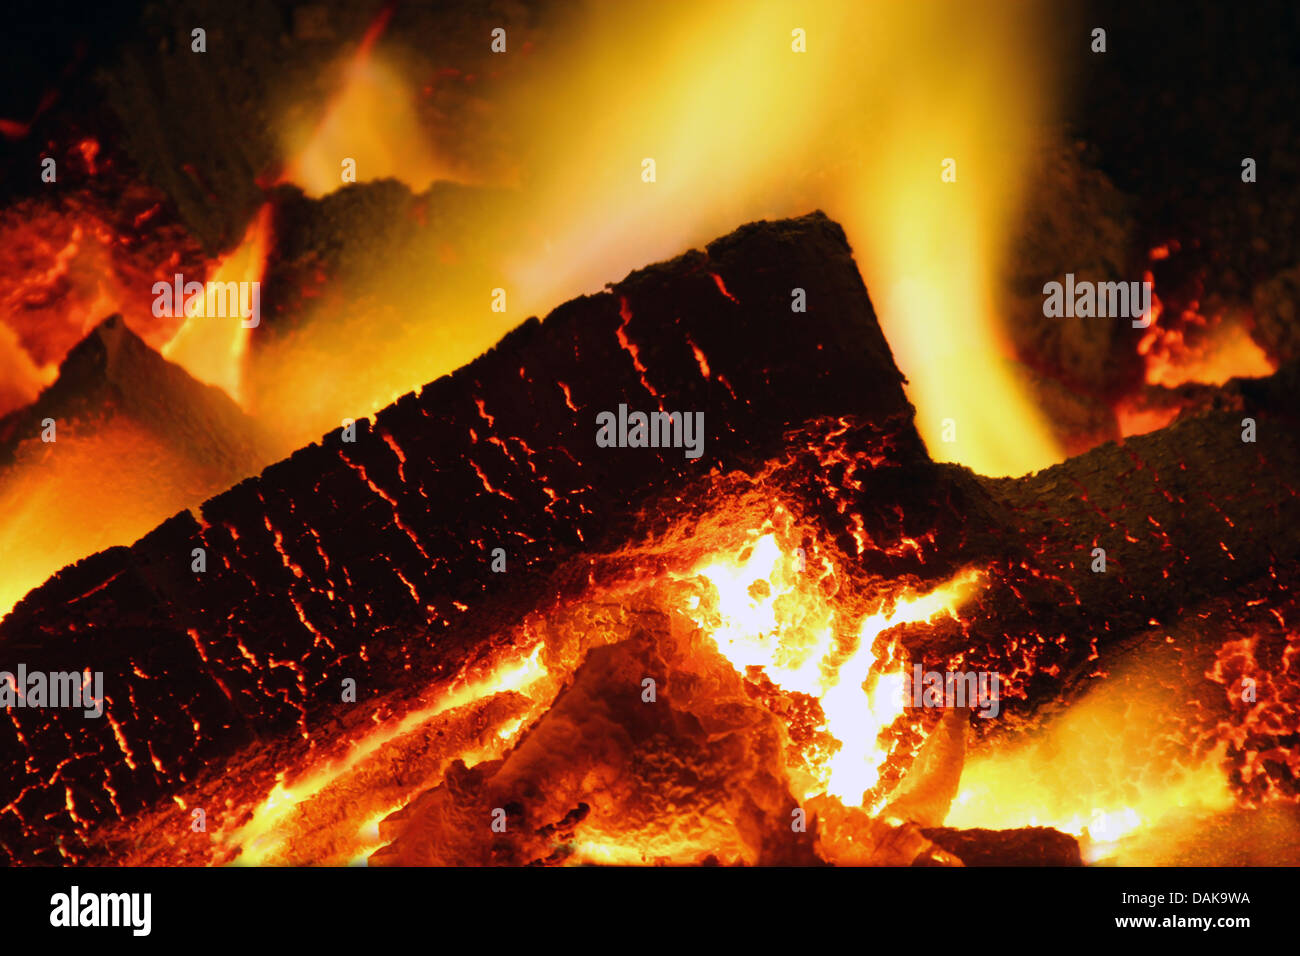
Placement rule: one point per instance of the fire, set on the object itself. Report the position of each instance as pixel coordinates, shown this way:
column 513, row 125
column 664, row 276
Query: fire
column 212, row 348
column 67, row 270
column 1189, row 348
column 262, row 839
column 929, row 250
column 1140, row 421
column 1208, row 350
column 763, row 614
column 751, row 614
column 1226, row 352
column 1006, row 791
column 822, row 660
column 110, row 478
column 855, row 769
column 740, row 126
column 21, row 378
column 76, row 256
column 1103, row 770
column 371, row 112
column 60, row 508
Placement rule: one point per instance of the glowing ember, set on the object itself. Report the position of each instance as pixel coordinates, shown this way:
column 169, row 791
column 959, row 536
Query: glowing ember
column 66, row 271
column 262, row 838
column 1196, row 348
column 1101, row 771
column 1140, row 421
column 773, row 620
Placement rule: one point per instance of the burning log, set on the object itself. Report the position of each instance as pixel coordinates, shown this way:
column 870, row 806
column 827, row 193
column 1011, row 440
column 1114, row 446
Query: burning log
column 292, row 599
column 1193, row 511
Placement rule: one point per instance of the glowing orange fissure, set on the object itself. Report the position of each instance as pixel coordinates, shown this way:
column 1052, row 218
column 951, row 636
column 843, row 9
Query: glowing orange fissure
column 261, row 838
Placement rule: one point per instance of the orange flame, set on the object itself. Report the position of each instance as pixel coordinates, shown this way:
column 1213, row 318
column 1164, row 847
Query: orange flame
column 371, row 121
column 1093, row 772
column 1209, row 351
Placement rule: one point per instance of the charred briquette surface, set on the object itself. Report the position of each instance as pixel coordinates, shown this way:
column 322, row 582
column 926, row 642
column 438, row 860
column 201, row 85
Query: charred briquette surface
column 135, row 438
column 361, row 559
column 1184, row 514
column 112, row 371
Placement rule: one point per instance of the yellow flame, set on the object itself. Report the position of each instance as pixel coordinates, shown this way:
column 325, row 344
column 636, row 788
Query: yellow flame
column 1093, row 772
column 61, row 507
column 368, row 839
column 741, row 127
column 212, row 348
column 855, row 768
column 372, row 113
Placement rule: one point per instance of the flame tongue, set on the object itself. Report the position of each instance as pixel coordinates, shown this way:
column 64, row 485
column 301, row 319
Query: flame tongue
column 212, row 347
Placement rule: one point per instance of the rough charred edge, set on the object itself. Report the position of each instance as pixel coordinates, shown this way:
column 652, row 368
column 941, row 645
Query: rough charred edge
column 304, row 560
column 1030, row 846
